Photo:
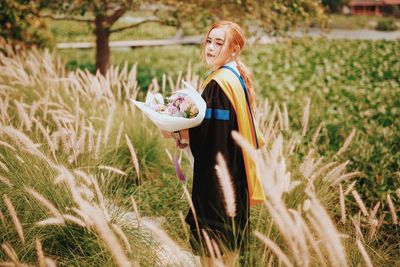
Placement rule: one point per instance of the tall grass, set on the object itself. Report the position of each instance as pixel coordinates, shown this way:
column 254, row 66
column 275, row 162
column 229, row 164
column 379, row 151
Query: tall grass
column 75, row 153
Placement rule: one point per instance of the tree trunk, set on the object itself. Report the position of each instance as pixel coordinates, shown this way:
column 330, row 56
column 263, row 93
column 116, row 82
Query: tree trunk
column 102, row 32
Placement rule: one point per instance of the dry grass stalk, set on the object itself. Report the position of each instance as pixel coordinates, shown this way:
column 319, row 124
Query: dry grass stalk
column 347, row 142
column 208, row 244
column 39, row 253
column 225, row 182
column 134, row 157
column 342, row 205
column 357, row 225
column 360, row 203
column 4, row 167
column 189, row 200
column 350, row 188
column 9, row 251
column 364, row 254
column 14, row 218
column 135, row 208
column 5, row 181
column 306, row 115
column 317, row 133
column 184, row 227
column 100, row 197
column 112, row 169
column 278, row 252
column 374, row 211
column 392, row 209
column 75, row 220
column 108, row 125
column 45, row 202
column 122, row 236
column 2, row 219
column 98, row 143
column 119, row 133
column 285, row 117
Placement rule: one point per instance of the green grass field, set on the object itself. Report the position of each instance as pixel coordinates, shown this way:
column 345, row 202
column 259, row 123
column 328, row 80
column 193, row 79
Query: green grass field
column 75, row 139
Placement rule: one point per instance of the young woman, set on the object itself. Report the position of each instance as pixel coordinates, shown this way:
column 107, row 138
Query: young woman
column 228, row 92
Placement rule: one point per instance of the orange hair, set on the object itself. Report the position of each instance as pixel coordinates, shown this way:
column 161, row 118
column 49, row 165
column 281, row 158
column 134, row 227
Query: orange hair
column 234, row 40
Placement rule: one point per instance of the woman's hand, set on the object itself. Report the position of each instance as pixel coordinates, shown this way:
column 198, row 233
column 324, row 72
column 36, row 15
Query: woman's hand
column 178, row 136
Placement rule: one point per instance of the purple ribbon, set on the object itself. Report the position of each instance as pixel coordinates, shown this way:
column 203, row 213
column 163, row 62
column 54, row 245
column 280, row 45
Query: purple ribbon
column 178, row 169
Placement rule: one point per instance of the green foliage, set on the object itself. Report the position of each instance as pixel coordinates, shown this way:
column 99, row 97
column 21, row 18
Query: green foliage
column 387, row 24
column 19, row 23
column 352, row 84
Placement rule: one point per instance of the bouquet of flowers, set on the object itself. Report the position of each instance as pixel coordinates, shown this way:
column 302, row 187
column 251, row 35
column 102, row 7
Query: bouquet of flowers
column 182, row 110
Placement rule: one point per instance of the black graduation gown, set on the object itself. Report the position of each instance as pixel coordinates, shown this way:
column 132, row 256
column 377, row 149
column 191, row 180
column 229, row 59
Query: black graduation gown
column 213, row 135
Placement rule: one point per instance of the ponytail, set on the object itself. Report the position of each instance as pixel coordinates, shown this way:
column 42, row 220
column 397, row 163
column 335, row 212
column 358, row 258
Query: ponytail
column 248, row 80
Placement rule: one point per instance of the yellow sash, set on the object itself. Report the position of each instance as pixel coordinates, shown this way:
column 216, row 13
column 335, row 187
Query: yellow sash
column 232, row 88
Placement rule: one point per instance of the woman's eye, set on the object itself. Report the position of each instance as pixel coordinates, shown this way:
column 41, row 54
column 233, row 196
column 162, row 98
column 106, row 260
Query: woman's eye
column 219, row 44
column 208, row 41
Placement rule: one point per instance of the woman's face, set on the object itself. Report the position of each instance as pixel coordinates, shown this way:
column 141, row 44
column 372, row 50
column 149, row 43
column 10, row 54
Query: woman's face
column 214, row 43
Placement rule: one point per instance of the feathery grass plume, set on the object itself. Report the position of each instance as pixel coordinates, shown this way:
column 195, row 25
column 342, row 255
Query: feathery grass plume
column 45, row 202
column 335, row 172
column 2, row 219
column 46, row 136
column 171, row 84
column 97, row 147
column 375, row 225
column 23, row 116
column 350, row 188
column 364, row 254
column 324, row 225
column 91, row 146
column 119, row 133
column 184, row 227
column 39, row 253
column 357, row 225
column 51, row 221
column 14, row 218
column 342, row 205
column 4, row 167
column 100, row 197
column 360, row 203
column 271, row 245
column 87, row 178
column 108, row 125
column 105, row 233
column 347, row 142
column 135, row 208
column 10, row 252
column 306, row 115
column 316, row 134
column 122, row 236
column 208, row 244
column 347, row 176
column 24, row 142
column 225, row 182
column 374, row 211
column 112, row 169
column 391, row 208
column 5, row 181
column 7, row 145
column 162, row 237
column 75, row 220
column 285, row 117
column 135, row 160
